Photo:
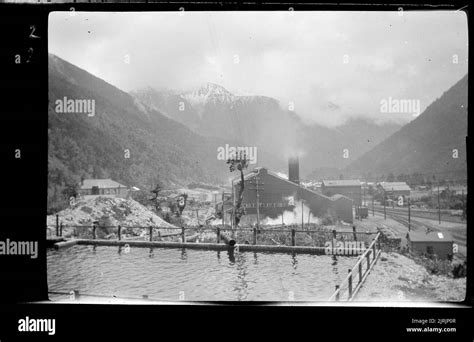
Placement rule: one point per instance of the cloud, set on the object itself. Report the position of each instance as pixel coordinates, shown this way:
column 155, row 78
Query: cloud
column 351, row 59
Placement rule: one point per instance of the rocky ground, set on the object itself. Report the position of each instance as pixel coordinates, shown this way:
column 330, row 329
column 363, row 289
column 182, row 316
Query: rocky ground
column 398, row 278
column 108, row 211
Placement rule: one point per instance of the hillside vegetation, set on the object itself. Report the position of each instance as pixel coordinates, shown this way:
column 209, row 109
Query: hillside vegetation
column 121, row 141
column 426, row 144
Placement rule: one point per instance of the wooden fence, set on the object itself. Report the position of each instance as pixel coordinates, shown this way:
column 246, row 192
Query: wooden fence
column 181, row 231
column 360, row 271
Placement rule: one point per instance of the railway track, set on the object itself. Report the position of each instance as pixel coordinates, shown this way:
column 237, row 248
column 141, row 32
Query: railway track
column 417, row 225
column 403, row 219
column 421, row 214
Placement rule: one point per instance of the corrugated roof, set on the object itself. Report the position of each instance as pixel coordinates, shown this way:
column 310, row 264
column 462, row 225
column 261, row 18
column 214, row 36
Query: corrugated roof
column 101, row 184
column 395, row 186
column 431, row 236
column 338, row 196
column 342, row 182
column 257, row 170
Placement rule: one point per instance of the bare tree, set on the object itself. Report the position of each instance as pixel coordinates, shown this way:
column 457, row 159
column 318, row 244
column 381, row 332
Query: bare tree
column 240, row 163
column 155, row 200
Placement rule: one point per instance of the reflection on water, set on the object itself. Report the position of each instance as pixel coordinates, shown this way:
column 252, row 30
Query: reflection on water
column 163, row 273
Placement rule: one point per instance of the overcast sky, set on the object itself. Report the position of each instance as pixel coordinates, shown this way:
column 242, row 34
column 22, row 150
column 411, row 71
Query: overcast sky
column 291, row 56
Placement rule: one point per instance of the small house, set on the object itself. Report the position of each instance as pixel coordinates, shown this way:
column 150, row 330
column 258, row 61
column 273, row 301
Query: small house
column 431, row 243
column 91, row 187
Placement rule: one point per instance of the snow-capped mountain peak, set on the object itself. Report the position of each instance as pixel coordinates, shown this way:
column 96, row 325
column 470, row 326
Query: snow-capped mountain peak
column 209, row 92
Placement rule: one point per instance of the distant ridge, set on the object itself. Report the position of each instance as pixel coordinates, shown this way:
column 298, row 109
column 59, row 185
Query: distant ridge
column 426, row 145
column 262, row 121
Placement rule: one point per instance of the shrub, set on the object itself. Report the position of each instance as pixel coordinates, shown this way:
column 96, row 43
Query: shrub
column 460, row 270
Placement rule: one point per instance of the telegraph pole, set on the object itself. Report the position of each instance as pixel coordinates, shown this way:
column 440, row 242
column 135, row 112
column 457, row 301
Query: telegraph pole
column 373, row 206
column 439, row 208
column 363, row 198
column 409, row 213
column 257, row 189
column 258, row 202
column 302, row 217
column 233, row 208
column 282, row 223
column 393, row 196
column 384, row 200
column 223, row 212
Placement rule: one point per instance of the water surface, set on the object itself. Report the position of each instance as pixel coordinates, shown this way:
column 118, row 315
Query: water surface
column 198, row 275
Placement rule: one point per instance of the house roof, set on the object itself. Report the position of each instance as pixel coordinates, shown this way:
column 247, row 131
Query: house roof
column 101, row 184
column 432, row 236
column 342, row 182
column 395, row 186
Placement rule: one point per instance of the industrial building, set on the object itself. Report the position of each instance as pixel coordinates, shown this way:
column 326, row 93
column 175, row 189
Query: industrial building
column 393, row 190
column 348, row 187
column 430, row 243
column 275, row 194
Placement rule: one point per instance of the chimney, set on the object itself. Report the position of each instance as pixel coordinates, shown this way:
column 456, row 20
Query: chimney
column 294, row 169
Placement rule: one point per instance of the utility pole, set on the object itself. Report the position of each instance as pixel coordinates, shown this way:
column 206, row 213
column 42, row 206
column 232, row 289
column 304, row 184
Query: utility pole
column 282, row 211
column 439, row 208
column 373, row 206
column 363, row 198
column 393, row 196
column 258, row 202
column 409, row 213
column 256, row 183
column 302, row 217
column 233, row 208
column 384, row 200
column 223, row 212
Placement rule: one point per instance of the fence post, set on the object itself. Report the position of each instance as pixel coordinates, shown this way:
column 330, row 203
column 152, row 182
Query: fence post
column 354, row 232
column 375, row 252
column 151, row 233
column 61, row 229
column 254, row 235
column 337, row 294
column 293, row 233
column 183, row 239
column 350, row 283
column 119, row 233
column 360, row 271
column 334, row 234
column 57, row 225
column 93, row 231
column 368, row 259
column 74, row 294
column 218, row 239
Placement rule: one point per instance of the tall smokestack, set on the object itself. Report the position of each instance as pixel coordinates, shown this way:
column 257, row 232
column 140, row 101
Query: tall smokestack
column 294, row 169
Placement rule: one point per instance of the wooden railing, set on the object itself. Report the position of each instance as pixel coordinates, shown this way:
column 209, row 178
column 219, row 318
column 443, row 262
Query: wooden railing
column 181, row 231
column 359, row 272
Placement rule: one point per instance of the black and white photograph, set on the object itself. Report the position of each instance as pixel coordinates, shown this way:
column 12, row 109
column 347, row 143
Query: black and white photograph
column 244, row 156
